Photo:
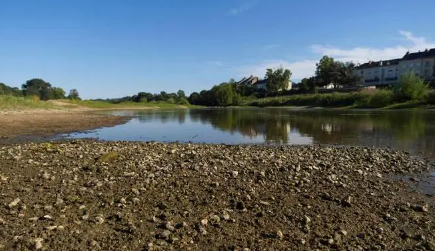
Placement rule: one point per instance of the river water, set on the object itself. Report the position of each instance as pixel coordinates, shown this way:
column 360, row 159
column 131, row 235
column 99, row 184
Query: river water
column 408, row 130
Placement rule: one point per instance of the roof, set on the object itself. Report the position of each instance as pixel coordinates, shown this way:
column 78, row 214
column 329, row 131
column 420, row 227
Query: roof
column 247, row 80
column 408, row 56
column 421, row 54
column 373, row 64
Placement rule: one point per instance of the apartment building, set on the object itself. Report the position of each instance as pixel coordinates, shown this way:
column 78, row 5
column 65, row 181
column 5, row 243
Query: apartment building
column 388, row 72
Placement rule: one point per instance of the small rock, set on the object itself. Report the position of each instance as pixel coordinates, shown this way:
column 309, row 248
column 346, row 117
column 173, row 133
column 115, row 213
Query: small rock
column 279, row 234
column 306, row 220
column 169, row 226
column 38, row 243
column 204, row 222
column 343, row 232
column 165, row 235
column 234, row 174
column 99, row 219
column 347, row 201
column 135, row 191
column 420, row 208
column 2, row 221
column 50, row 228
column 123, row 201
column 226, row 216
column 214, row 219
column 47, row 217
column 14, row 203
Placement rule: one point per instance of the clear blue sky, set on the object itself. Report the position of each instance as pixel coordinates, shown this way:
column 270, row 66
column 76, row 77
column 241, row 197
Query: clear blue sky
column 114, row 48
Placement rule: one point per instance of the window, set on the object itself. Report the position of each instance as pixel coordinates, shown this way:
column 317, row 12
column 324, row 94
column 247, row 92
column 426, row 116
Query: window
column 362, row 72
column 426, row 72
column 427, row 63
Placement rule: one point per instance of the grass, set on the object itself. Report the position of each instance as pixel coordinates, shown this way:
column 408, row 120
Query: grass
column 107, row 105
column 15, row 103
column 20, row 103
column 362, row 99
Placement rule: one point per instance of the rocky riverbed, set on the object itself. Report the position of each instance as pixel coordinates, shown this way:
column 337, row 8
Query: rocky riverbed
column 90, row 195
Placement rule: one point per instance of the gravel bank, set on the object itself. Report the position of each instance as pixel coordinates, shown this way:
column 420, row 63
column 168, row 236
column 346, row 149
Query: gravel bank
column 89, row 195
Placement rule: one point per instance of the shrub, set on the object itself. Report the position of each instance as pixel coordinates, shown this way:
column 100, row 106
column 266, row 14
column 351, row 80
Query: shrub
column 170, row 101
column 431, row 97
column 183, row 101
column 381, row 98
column 410, row 88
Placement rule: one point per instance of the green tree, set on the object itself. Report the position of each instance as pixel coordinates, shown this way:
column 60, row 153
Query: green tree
column 181, row 94
column 277, row 80
column 164, row 96
column 346, row 74
column 194, row 98
column 410, row 88
column 303, row 85
column 223, row 94
column 37, row 87
column 327, row 71
column 58, row 93
column 74, row 95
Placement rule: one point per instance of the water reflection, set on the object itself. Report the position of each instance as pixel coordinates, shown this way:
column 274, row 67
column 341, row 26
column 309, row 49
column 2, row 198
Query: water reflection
column 412, row 131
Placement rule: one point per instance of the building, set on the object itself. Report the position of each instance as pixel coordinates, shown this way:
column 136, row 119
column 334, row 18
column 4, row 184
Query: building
column 388, row 72
column 259, row 85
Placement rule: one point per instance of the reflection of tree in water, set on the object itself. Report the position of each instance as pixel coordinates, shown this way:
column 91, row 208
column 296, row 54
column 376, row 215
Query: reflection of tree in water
column 400, row 129
column 178, row 115
column 248, row 122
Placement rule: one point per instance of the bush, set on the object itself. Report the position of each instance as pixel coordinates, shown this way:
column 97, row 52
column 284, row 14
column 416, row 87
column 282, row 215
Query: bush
column 381, row 98
column 410, row 88
column 183, row 101
column 170, row 101
column 431, row 97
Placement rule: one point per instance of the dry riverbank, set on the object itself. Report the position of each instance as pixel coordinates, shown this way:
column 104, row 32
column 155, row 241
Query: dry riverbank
column 86, row 195
column 37, row 123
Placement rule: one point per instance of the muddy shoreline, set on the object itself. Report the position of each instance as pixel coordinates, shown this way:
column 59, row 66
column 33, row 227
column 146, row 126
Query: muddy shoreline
column 27, row 126
column 91, row 195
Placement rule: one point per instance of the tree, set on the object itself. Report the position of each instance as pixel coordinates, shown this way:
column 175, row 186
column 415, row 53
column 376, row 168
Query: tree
column 223, row 94
column 37, row 87
column 277, row 80
column 57, row 93
column 346, row 74
column 181, row 94
column 164, row 96
column 74, row 95
column 303, row 85
column 327, row 71
column 194, row 98
column 337, row 73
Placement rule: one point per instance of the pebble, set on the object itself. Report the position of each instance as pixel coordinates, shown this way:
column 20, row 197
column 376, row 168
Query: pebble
column 14, row 203
column 38, row 243
column 165, row 235
column 279, row 234
column 204, row 222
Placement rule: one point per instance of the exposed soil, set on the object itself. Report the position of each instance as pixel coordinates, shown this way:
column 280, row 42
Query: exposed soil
column 90, row 195
column 15, row 126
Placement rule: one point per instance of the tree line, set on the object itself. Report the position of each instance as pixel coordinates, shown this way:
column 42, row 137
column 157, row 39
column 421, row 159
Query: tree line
column 329, row 71
column 37, row 87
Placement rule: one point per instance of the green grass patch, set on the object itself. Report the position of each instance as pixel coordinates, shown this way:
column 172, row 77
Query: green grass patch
column 126, row 105
column 16, row 103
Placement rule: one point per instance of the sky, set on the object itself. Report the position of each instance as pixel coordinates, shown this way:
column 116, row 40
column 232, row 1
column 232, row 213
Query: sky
column 115, row 48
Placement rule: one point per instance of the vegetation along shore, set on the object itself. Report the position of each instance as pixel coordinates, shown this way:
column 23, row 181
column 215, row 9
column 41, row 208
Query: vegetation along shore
column 87, row 195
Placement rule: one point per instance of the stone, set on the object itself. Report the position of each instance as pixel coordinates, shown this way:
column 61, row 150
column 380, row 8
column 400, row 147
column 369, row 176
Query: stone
column 226, row 216
column 279, row 234
column 14, row 203
column 204, row 222
column 165, row 235
column 38, row 243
